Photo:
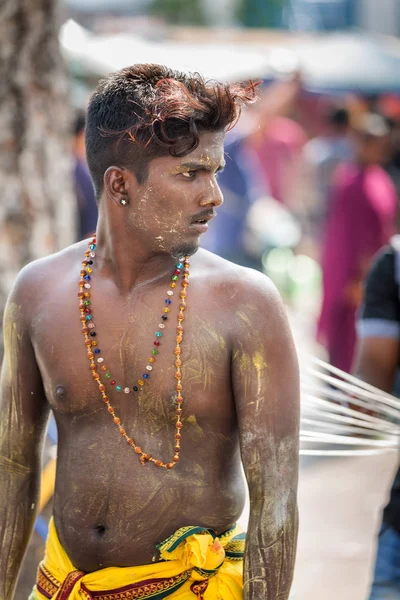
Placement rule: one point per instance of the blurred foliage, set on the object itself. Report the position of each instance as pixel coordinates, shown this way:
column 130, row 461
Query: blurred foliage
column 261, row 13
column 180, row 12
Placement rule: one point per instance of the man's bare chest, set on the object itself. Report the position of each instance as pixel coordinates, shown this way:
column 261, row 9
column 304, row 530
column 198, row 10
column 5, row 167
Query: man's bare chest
column 133, row 345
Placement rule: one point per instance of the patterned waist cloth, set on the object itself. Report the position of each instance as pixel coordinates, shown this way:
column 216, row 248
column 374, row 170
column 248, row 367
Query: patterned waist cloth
column 194, row 563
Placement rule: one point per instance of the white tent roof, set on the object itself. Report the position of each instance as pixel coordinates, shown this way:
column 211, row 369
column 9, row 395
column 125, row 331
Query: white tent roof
column 350, row 62
column 104, row 54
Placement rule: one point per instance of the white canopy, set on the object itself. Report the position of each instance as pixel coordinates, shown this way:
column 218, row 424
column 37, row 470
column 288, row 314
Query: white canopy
column 104, row 54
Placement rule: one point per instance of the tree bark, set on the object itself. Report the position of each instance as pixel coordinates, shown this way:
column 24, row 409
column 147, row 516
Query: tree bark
column 37, row 203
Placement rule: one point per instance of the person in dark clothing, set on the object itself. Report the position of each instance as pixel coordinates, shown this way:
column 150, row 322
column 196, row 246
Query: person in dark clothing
column 87, row 206
column 378, row 364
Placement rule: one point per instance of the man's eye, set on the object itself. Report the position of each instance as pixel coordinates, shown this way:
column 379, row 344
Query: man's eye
column 189, row 174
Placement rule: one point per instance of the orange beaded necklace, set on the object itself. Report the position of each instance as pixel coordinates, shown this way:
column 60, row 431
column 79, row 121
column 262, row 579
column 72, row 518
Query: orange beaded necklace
column 91, row 344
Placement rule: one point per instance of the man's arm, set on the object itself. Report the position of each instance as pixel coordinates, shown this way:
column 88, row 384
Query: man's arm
column 266, row 390
column 23, row 417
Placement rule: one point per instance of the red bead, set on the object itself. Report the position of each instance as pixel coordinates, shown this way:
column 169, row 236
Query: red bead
column 177, row 272
column 156, row 343
column 87, row 311
column 113, row 382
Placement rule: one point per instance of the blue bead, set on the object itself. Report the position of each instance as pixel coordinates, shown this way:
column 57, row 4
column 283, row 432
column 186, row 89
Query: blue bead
column 146, row 375
column 89, row 317
column 92, row 246
column 168, row 301
column 118, row 388
column 97, row 351
column 158, row 334
column 87, row 277
column 179, row 266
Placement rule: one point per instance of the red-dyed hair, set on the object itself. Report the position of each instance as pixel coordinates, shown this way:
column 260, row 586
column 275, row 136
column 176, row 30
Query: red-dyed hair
column 148, row 110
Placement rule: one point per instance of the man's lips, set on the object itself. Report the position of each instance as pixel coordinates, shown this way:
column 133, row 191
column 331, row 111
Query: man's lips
column 202, row 218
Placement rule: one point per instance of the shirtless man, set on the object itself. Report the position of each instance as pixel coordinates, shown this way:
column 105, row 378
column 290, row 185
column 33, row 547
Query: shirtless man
column 136, row 463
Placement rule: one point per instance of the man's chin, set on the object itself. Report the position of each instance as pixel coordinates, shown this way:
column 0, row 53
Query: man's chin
column 187, row 249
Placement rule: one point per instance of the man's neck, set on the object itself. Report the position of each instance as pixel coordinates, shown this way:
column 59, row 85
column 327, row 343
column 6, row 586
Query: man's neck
column 127, row 259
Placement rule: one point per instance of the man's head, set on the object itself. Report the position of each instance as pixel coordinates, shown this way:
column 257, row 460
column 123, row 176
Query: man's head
column 154, row 142
column 338, row 120
column 371, row 133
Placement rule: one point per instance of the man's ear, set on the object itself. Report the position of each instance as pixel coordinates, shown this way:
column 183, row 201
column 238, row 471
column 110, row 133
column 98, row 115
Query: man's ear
column 120, row 184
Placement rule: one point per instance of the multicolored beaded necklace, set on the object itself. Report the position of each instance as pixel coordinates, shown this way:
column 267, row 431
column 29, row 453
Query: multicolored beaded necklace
column 93, row 351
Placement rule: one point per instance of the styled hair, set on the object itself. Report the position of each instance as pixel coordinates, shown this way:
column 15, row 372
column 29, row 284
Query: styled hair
column 148, row 110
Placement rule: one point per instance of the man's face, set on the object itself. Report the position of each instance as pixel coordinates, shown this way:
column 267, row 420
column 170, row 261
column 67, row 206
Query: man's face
column 373, row 150
column 171, row 209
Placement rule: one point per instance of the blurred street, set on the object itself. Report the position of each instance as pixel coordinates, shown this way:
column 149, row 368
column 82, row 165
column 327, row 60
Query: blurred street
column 339, row 503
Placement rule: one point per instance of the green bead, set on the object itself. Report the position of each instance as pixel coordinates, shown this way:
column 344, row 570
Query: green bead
column 118, row 388
column 107, row 375
column 87, row 302
column 154, row 351
column 174, row 277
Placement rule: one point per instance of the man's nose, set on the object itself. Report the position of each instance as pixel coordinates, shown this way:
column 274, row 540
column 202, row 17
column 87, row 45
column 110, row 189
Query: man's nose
column 213, row 196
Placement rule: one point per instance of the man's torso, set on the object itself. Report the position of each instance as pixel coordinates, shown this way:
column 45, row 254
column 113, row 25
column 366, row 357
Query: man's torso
column 108, row 509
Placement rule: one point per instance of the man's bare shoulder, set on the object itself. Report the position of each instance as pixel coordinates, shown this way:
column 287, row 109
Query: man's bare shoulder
column 245, row 286
column 35, row 278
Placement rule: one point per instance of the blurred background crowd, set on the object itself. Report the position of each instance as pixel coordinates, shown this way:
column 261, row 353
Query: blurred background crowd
column 312, row 177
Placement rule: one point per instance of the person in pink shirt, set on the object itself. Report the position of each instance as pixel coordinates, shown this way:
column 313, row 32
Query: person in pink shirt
column 361, row 220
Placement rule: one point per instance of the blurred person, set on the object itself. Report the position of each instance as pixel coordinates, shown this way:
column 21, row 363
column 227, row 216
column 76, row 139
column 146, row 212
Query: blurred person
column 280, row 141
column 152, row 515
column 258, row 155
column 87, row 205
column 242, row 185
column 392, row 163
column 323, row 154
column 361, row 220
column 377, row 363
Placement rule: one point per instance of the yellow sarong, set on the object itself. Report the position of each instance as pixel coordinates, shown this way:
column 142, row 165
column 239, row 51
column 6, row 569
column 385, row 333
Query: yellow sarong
column 195, row 563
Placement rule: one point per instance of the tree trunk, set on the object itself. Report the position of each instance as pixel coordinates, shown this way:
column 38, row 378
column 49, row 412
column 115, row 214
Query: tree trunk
column 37, row 203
